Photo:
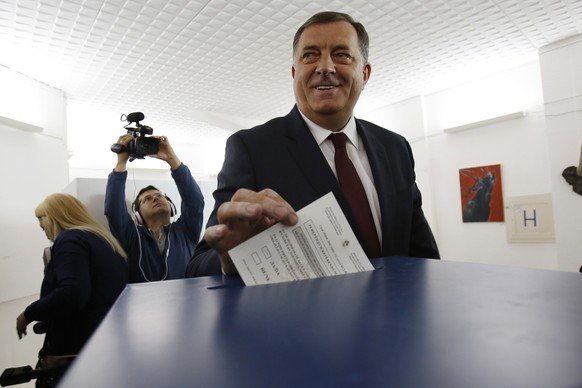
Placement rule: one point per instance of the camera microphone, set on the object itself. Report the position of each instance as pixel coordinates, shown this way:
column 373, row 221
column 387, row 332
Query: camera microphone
column 135, row 117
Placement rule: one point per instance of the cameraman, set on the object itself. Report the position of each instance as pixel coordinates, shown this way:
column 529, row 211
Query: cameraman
column 157, row 248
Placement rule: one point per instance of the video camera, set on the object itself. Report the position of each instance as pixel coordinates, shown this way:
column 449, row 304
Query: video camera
column 139, row 146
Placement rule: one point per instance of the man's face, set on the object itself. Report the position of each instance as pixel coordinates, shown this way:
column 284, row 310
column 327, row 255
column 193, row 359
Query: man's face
column 153, row 202
column 329, row 73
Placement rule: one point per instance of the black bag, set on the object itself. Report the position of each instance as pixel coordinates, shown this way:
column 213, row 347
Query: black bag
column 48, row 372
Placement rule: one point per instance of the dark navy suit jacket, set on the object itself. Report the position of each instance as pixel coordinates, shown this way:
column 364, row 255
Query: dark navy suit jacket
column 81, row 283
column 283, row 155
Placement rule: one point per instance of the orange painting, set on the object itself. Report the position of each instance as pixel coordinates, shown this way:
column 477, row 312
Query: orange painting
column 481, row 194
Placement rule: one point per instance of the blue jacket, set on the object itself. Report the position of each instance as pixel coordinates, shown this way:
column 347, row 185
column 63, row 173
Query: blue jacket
column 81, row 283
column 146, row 263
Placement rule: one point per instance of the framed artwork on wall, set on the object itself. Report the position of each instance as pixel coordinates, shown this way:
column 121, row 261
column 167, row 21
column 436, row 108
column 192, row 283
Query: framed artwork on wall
column 481, row 194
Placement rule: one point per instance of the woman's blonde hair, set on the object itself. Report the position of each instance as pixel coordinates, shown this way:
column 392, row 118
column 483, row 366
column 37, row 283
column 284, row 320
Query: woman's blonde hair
column 64, row 211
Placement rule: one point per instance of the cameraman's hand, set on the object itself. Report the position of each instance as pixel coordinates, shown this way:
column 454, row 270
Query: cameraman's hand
column 166, row 153
column 123, row 157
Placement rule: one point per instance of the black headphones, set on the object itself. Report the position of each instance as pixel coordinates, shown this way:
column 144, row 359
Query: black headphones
column 139, row 218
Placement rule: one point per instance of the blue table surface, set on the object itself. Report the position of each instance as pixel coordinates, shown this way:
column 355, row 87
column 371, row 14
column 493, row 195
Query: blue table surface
column 409, row 323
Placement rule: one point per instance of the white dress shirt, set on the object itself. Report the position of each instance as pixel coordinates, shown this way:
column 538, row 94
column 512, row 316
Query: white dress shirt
column 357, row 154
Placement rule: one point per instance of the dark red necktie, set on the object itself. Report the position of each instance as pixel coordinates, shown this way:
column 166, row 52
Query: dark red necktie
column 354, row 190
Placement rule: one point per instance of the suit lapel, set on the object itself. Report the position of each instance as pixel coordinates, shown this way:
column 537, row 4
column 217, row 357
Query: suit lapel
column 308, row 156
column 381, row 166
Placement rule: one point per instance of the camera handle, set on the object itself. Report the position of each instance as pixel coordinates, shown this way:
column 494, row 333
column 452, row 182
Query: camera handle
column 120, row 148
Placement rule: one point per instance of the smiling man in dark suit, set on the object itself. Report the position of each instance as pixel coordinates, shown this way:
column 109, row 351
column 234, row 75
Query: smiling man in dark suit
column 285, row 164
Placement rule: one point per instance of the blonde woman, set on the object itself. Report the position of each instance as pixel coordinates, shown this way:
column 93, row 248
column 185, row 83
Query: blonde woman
column 84, row 277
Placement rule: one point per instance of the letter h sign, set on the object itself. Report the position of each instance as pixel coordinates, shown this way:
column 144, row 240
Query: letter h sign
column 529, row 219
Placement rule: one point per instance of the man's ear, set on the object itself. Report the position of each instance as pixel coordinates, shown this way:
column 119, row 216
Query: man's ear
column 292, row 71
column 367, row 71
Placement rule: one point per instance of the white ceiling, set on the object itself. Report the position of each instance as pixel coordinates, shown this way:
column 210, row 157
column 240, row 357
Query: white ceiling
column 197, row 67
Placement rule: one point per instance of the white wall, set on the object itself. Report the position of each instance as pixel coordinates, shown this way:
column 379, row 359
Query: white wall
column 33, row 166
column 93, row 129
column 522, row 148
column 561, row 63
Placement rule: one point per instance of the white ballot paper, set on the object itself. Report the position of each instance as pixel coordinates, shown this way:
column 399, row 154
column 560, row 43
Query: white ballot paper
column 321, row 244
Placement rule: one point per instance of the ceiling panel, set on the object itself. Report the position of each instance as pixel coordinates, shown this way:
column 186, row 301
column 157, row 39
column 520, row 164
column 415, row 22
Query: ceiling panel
column 202, row 66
